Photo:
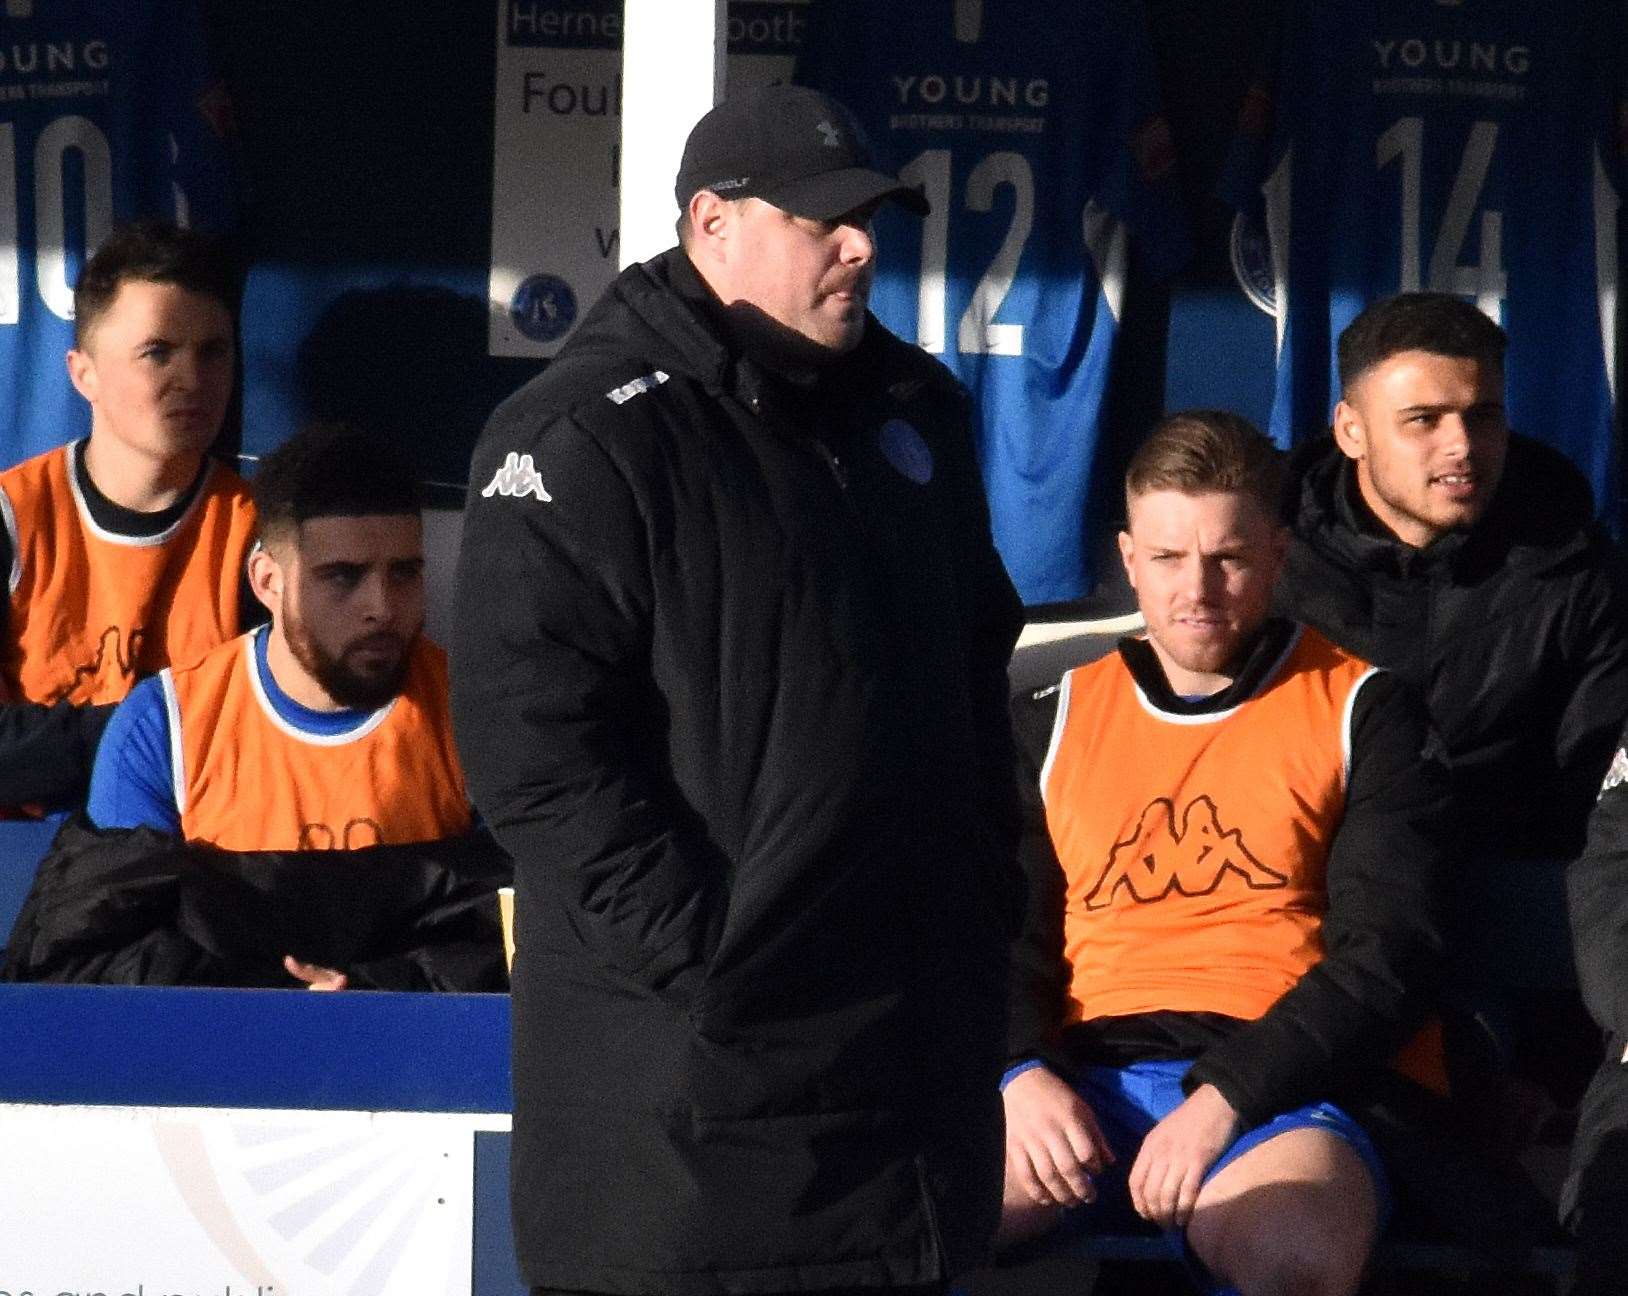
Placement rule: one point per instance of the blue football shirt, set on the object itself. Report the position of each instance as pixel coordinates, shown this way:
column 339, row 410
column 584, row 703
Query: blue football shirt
column 1460, row 146
column 1035, row 131
column 107, row 112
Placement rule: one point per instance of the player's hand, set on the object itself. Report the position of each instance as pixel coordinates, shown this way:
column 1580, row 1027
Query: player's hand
column 1053, row 1145
column 315, row 976
column 1176, row 1155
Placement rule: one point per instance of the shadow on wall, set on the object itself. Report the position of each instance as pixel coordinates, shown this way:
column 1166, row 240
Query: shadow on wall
column 395, row 360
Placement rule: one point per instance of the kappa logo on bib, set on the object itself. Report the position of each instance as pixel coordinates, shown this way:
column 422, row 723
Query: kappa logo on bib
column 1191, row 860
column 907, row 450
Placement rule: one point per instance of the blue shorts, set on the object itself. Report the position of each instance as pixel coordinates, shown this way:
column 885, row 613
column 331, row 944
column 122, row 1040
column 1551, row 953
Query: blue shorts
column 1130, row 1101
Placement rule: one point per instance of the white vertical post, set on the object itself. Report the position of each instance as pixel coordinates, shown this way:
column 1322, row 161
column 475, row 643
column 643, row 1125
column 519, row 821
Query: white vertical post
column 673, row 63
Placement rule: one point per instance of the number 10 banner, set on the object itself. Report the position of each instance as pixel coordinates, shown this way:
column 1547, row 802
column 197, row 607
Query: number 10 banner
column 107, row 113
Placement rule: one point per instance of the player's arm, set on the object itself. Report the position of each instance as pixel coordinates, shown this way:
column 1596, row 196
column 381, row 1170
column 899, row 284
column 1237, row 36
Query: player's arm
column 1176, row 1155
column 402, row 916
column 993, row 621
column 1038, row 985
column 132, row 783
column 1594, row 698
column 1597, row 896
column 1381, row 931
column 1053, row 1143
column 1590, row 778
column 101, row 910
column 46, row 752
column 553, row 706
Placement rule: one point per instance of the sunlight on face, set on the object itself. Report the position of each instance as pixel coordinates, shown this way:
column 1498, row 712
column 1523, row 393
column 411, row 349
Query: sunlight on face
column 1203, row 567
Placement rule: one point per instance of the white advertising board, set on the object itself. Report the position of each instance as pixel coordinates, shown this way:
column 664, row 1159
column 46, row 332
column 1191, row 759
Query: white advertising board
column 122, row 1201
column 557, row 144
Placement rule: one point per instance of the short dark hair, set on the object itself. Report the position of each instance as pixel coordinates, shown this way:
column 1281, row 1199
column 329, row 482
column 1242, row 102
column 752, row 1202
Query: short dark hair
column 1419, row 321
column 152, row 251
column 1203, row 450
column 331, row 470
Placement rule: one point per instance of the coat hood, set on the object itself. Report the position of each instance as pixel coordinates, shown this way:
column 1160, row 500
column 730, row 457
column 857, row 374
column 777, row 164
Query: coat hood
column 656, row 310
column 1541, row 515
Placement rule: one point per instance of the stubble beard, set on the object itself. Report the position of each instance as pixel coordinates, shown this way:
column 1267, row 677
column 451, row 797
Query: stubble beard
column 350, row 688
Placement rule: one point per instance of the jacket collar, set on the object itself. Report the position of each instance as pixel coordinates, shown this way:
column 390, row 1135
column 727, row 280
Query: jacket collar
column 1541, row 515
column 1256, row 668
column 687, row 332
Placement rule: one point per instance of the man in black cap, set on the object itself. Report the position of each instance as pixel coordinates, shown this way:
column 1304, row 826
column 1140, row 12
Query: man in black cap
column 729, row 684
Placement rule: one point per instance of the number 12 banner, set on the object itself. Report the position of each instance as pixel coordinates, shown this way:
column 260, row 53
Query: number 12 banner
column 1035, row 131
column 1469, row 148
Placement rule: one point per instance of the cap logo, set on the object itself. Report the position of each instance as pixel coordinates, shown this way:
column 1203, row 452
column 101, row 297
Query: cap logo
column 828, row 133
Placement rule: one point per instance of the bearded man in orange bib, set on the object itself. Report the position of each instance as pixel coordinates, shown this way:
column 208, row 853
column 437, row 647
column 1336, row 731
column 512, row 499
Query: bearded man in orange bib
column 312, row 756
column 1236, row 832
column 124, row 551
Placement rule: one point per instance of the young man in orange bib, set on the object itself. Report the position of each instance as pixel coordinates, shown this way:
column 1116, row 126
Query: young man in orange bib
column 326, row 729
column 1235, row 838
column 125, row 551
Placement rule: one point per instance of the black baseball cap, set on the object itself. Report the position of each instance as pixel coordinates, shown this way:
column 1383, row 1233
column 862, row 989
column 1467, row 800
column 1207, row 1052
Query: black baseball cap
column 794, row 148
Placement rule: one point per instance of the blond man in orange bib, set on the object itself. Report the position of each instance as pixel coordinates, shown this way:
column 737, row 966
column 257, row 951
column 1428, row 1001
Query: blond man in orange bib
column 1236, row 834
column 122, row 552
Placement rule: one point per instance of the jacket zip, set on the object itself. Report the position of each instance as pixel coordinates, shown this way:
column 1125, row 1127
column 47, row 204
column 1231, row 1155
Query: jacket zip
column 834, row 462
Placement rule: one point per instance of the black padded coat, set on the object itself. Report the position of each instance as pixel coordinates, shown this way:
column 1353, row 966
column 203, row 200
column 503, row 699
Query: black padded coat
column 729, row 683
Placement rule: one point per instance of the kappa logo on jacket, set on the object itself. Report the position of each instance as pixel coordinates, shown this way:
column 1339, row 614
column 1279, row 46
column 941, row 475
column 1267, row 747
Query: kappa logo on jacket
column 517, row 477
column 1157, row 859
column 1617, row 774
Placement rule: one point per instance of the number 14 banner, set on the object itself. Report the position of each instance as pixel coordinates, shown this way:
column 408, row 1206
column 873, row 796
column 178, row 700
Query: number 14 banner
column 1034, row 130
column 1461, row 146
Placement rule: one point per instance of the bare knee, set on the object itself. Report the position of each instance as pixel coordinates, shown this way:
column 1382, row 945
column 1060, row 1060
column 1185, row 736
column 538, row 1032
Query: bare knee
column 1293, row 1253
column 1293, row 1216
column 1023, row 1219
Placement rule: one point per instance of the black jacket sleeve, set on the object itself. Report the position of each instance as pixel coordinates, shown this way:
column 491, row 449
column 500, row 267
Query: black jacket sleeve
column 554, row 710
column 1595, row 702
column 994, row 619
column 1039, row 973
column 139, row 907
column 46, row 752
column 1597, row 895
column 1381, row 933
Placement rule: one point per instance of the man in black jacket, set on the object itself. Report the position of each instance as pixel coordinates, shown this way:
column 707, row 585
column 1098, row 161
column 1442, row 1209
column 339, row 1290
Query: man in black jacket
column 729, row 684
column 1432, row 541
column 1234, row 838
column 1595, row 1199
